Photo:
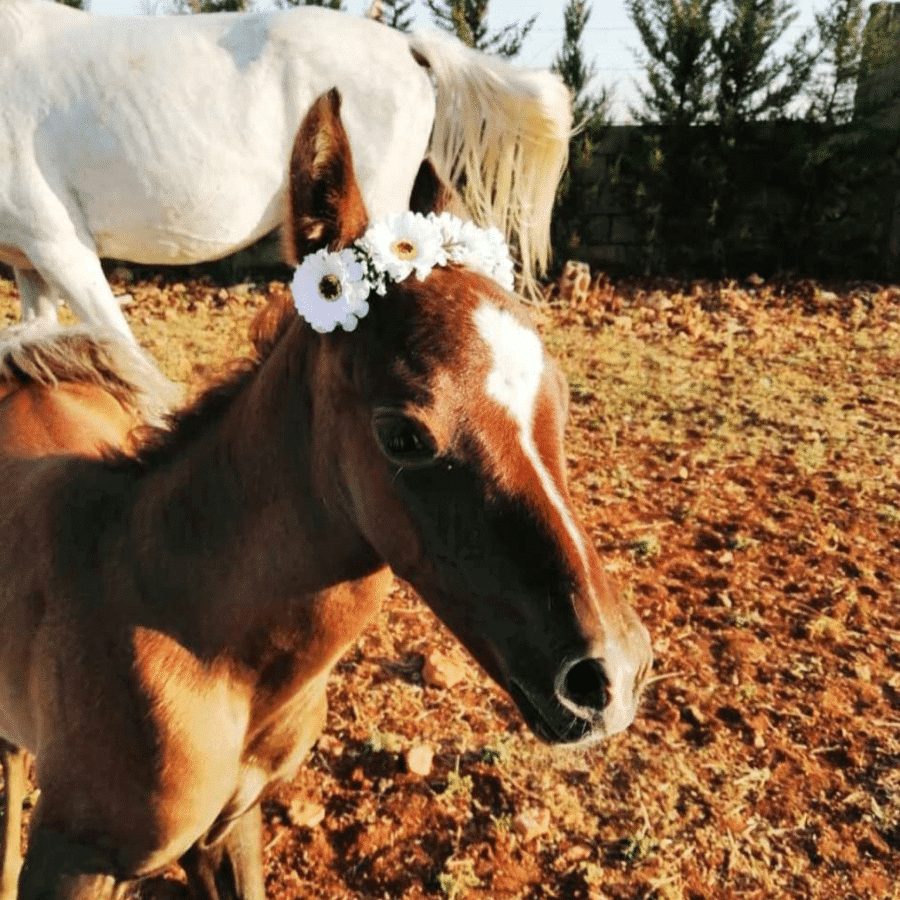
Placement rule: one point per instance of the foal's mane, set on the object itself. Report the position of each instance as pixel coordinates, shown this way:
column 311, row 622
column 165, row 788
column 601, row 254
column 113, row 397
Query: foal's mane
column 157, row 444
column 37, row 354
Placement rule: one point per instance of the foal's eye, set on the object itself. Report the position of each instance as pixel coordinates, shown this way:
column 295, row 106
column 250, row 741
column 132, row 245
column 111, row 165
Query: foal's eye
column 403, row 440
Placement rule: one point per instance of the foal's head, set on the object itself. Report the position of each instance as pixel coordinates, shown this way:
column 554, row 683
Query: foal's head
column 439, row 420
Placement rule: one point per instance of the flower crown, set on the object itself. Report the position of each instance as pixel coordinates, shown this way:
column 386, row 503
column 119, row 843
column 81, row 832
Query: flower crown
column 331, row 288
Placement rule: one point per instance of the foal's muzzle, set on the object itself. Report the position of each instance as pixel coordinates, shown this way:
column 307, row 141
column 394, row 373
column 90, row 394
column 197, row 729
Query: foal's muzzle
column 588, row 700
column 584, row 688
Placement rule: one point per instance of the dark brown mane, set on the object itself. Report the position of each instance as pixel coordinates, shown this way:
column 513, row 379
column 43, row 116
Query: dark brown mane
column 270, row 324
column 157, row 444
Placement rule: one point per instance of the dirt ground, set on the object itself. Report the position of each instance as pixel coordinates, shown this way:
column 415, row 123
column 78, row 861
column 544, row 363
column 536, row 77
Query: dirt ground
column 735, row 452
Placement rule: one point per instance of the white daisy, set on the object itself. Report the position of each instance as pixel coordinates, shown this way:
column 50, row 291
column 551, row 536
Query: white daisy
column 497, row 260
column 330, row 289
column 403, row 244
column 449, row 227
column 482, row 249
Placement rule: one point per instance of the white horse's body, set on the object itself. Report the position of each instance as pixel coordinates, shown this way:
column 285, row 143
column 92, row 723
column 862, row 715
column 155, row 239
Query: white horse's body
column 165, row 140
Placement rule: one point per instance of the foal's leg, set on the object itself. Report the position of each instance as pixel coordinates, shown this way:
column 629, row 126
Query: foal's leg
column 12, row 760
column 229, row 868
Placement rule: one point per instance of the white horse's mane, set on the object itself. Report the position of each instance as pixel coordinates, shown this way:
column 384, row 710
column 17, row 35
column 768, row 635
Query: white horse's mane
column 506, row 179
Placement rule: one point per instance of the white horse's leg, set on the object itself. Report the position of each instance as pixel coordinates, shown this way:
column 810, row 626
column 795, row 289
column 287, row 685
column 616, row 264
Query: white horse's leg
column 12, row 760
column 73, row 271
column 39, row 300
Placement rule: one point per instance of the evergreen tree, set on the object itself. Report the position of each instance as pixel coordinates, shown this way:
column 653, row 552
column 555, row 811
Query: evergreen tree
column 574, row 69
column 678, row 41
column 467, row 19
column 211, row 6
column 840, row 33
column 753, row 83
column 396, row 14
column 328, row 4
column 673, row 165
column 579, row 190
column 877, row 90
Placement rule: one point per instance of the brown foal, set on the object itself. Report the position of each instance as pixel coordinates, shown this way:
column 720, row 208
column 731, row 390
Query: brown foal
column 171, row 615
column 64, row 391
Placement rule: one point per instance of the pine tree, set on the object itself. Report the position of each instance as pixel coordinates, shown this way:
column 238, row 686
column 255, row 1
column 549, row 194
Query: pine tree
column 396, row 14
column 580, row 190
column 211, row 6
column 328, row 4
column 678, row 41
column 753, row 83
column 467, row 19
column 877, row 91
column 574, row 70
column 674, row 165
column 840, row 33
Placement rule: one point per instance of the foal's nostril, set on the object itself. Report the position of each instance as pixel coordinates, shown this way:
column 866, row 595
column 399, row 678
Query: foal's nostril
column 586, row 685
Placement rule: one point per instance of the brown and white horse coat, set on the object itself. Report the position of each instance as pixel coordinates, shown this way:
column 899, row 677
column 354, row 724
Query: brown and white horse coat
column 169, row 633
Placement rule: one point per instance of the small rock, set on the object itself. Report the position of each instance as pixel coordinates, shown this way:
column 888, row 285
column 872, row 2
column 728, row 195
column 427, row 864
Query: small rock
column 575, row 854
column 304, row 814
column 440, row 671
column 327, row 743
column 692, row 715
column 574, row 282
column 418, row 760
column 531, row 823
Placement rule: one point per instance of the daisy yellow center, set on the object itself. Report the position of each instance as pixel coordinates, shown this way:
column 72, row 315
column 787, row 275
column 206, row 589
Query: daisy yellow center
column 330, row 287
column 404, row 249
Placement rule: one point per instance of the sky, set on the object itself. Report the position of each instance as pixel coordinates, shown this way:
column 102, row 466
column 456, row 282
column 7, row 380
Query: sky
column 608, row 39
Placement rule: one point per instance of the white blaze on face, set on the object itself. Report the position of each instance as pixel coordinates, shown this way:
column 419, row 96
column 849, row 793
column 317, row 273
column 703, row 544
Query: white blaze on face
column 514, row 382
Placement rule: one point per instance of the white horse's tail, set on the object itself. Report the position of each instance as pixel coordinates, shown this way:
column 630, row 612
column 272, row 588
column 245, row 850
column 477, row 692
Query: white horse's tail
column 501, row 135
column 48, row 354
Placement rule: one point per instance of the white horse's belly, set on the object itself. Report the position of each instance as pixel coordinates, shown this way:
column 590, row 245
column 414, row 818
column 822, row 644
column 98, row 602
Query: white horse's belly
column 184, row 158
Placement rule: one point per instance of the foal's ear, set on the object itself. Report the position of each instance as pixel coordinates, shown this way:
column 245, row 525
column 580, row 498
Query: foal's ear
column 324, row 205
column 430, row 193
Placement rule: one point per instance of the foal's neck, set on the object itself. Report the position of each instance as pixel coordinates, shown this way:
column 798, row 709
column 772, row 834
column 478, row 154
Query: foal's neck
column 237, row 532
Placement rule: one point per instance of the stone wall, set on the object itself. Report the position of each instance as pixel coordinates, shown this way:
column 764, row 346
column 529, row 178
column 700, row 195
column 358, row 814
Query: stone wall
column 788, row 197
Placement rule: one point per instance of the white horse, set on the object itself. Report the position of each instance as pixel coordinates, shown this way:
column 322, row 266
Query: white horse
column 165, row 140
